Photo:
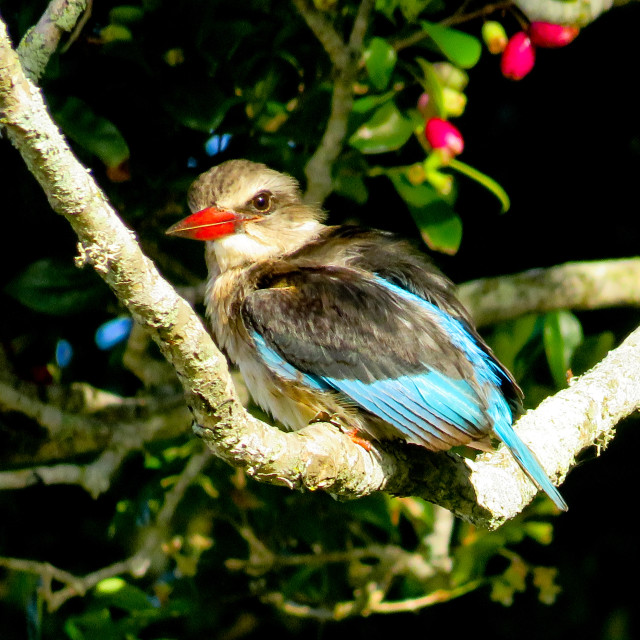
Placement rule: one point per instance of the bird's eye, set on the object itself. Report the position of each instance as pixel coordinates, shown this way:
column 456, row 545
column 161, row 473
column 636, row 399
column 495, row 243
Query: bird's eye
column 262, row 201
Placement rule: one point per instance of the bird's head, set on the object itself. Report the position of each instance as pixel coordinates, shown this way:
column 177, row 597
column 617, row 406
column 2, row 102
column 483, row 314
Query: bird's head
column 247, row 212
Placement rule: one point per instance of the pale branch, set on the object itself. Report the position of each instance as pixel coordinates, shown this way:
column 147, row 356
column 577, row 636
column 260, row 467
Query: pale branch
column 345, row 58
column 575, row 285
column 371, row 603
column 41, row 41
column 81, row 419
column 196, row 464
column 319, row 456
column 438, row 540
column 72, row 585
column 324, row 31
column 94, row 477
column 560, row 12
column 563, row 425
column 137, row 359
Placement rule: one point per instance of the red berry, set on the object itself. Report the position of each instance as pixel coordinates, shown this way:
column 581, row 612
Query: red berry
column 441, row 134
column 547, row 34
column 518, row 57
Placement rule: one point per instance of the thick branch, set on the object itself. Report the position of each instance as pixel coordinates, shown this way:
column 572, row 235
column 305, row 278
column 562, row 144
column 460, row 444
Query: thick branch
column 319, row 456
column 575, row 285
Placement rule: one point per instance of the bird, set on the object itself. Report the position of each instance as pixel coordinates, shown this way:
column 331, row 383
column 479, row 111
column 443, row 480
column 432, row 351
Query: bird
column 345, row 322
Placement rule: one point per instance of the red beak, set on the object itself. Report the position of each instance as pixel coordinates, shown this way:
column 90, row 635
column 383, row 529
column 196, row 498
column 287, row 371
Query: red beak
column 208, row 224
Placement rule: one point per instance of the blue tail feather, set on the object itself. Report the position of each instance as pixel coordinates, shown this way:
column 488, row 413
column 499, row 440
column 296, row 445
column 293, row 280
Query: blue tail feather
column 528, row 462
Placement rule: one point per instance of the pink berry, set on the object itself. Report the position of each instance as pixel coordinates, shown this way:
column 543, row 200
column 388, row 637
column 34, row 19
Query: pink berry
column 441, row 134
column 423, row 103
column 547, row 34
column 518, row 57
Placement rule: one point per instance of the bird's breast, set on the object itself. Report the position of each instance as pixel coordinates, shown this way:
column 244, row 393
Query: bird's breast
column 290, row 403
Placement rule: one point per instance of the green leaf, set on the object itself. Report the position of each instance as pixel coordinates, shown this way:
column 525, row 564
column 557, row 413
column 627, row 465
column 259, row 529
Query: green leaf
column 591, row 351
column 115, row 33
column 126, row 14
column 199, row 109
column 439, row 225
column 57, row 288
column 410, row 9
column 119, row 593
column 367, row 103
column 488, row 183
column 509, row 337
column 415, row 195
column 94, row 623
column 352, row 187
column 373, row 510
column 386, row 130
column 432, row 84
column 562, row 334
column 459, row 47
column 380, row 59
column 93, row 132
column 541, row 532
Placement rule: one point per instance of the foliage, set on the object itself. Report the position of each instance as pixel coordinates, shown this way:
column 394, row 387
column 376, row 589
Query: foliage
column 152, row 93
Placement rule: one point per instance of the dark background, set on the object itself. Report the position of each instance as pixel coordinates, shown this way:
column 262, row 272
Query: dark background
column 564, row 143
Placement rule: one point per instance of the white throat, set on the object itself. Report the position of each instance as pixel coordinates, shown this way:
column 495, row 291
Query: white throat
column 240, row 249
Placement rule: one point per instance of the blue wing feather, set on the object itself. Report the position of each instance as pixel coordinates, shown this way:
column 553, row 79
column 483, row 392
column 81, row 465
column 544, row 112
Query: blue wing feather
column 430, row 407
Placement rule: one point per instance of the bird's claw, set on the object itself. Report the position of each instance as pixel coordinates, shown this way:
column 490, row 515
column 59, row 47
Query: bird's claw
column 336, row 421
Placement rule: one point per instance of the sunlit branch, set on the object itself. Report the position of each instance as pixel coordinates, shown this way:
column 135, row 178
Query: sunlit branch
column 41, row 41
column 345, row 58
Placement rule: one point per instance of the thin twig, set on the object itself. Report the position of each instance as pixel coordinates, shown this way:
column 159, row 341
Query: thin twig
column 345, row 59
column 457, row 18
column 137, row 564
column 41, row 41
column 348, row 609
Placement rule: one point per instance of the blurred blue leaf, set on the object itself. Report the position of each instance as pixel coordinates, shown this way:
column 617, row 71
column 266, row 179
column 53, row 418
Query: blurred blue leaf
column 113, row 332
column 217, row 143
column 64, row 353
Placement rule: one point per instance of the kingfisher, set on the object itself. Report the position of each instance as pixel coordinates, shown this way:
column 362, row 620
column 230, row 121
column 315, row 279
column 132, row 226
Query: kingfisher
column 345, row 324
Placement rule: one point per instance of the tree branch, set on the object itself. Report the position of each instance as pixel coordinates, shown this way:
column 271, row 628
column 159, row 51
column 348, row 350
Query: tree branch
column 137, row 564
column 487, row 491
column 345, row 58
column 41, row 40
column 575, row 285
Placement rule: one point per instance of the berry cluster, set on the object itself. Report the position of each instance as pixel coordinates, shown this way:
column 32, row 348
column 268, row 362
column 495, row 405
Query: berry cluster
column 518, row 58
column 519, row 51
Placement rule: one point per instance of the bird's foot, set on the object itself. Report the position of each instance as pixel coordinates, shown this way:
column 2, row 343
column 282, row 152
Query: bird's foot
column 354, row 437
column 322, row 416
column 336, row 421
